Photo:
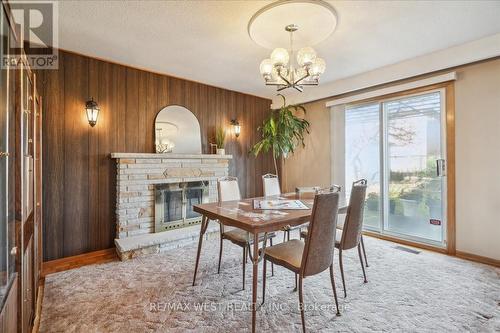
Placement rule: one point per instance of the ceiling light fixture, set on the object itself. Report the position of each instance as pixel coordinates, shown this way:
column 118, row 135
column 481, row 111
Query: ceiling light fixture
column 280, row 71
column 306, row 23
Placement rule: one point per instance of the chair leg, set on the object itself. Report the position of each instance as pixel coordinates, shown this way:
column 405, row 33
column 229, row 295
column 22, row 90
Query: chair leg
column 284, row 235
column 301, row 304
column 364, row 252
column 288, row 234
column 264, row 281
column 334, row 289
column 295, row 282
column 220, row 254
column 272, row 265
column 361, row 261
column 244, row 265
column 342, row 272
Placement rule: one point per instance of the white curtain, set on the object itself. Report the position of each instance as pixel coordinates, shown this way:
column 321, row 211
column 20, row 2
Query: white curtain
column 337, row 130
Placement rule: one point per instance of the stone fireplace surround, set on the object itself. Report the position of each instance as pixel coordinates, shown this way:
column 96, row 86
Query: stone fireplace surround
column 136, row 175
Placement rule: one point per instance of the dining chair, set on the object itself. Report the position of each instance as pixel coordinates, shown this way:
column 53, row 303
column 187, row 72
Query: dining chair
column 228, row 190
column 350, row 236
column 271, row 187
column 315, row 254
column 340, row 225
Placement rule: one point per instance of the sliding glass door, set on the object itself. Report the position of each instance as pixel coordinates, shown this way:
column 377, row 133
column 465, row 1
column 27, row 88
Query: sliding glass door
column 413, row 151
column 398, row 145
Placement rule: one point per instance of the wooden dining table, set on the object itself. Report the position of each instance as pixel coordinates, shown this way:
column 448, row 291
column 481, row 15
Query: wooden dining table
column 241, row 214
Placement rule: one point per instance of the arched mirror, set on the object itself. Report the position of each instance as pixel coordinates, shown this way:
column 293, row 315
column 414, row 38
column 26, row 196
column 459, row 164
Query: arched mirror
column 177, row 130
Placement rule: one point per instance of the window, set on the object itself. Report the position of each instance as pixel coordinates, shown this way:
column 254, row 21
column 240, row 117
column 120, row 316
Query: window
column 398, row 145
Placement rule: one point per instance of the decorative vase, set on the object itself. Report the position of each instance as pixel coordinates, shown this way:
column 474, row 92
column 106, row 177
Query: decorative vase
column 221, row 151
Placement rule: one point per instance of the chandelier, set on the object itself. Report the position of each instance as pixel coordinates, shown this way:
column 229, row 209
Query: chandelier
column 281, row 70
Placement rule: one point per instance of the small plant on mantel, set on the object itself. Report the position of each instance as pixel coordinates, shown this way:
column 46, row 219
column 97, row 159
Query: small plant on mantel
column 220, row 138
column 282, row 132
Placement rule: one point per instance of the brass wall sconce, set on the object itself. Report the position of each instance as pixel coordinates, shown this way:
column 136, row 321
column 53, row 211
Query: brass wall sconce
column 92, row 111
column 236, row 127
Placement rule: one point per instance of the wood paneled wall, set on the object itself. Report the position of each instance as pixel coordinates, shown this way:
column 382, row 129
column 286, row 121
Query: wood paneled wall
column 79, row 176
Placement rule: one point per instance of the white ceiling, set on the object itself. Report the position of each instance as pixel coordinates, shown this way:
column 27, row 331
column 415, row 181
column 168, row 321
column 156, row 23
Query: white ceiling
column 207, row 41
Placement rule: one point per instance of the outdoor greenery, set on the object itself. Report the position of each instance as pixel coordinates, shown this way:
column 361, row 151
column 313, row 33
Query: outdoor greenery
column 421, row 187
column 372, row 201
column 282, row 132
column 220, row 137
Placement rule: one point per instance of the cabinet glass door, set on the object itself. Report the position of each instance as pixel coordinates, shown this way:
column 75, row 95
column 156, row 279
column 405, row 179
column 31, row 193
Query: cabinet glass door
column 7, row 165
column 4, row 146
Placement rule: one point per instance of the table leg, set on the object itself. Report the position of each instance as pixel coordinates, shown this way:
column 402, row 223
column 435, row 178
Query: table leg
column 203, row 229
column 255, row 262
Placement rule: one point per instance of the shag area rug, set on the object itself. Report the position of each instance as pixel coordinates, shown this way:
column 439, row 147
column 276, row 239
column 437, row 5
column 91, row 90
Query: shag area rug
column 406, row 292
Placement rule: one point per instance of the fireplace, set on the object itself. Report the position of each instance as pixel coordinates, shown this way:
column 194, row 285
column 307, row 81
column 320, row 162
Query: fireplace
column 174, row 204
column 156, row 192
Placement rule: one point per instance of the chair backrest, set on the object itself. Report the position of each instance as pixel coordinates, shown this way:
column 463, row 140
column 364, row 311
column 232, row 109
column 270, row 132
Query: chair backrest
column 228, row 189
column 320, row 241
column 353, row 225
column 271, row 185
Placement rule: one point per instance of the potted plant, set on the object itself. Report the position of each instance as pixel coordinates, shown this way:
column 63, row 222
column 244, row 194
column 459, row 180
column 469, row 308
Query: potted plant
column 282, row 132
column 411, row 200
column 220, row 137
column 433, row 202
column 394, row 201
column 372, row 201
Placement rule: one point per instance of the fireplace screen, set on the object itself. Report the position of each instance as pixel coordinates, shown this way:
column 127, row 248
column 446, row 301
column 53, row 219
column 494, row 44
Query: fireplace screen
column 174, row 204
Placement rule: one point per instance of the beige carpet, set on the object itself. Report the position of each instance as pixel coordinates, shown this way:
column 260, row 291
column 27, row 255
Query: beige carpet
column 406, row 292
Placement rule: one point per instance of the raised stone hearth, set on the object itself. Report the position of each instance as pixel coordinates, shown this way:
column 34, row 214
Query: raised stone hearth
column 137, row 175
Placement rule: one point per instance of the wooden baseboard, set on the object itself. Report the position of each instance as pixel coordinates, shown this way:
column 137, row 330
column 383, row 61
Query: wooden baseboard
column 80, row 260
column 476, row 258
column 458, row 254
column 38, row 309
column 406, row 242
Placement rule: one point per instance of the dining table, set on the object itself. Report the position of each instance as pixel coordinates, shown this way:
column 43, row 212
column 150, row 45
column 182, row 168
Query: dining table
column 242, row 214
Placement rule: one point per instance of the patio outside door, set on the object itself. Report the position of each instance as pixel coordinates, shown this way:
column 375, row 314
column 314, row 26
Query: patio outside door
column 399, row 146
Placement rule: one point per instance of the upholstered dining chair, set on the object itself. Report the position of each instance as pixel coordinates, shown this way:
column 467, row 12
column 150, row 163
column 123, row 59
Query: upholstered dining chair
column 340, row 225
column 271, row 187
column 228, row 190
column 350, row 236
column 315, row 254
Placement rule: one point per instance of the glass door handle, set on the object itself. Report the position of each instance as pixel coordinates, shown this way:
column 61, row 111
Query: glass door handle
column 441, row 167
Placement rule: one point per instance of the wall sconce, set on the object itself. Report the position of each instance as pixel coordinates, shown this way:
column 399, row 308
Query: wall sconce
column 236, row 127
column 92, row 110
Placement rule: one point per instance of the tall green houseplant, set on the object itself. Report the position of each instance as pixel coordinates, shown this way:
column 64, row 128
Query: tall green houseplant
column 282, row 132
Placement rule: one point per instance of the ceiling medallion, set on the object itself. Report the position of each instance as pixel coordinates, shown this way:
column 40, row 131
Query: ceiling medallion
column 305, row 23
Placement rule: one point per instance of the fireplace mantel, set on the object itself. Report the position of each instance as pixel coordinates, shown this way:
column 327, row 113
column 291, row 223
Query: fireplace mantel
column 169, row 156
column 137, row 174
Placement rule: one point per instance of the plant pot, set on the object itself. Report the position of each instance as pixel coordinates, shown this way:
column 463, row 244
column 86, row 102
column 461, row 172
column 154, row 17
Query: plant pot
column 434, row 210
column 221, row 151
column 410, row 207
column 392, row 206
column 372, row 204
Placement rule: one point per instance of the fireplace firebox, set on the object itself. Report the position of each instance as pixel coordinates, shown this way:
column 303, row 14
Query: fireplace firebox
column 174, row 204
